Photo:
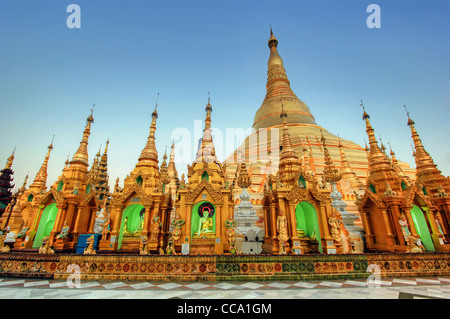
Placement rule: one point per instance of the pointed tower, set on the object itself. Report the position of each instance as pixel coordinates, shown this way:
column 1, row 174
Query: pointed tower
column 279, row 93
column 101, row 185
column 206, row 163
column 146, row 173
column 206, row 202
column 5, row 184
column 300, row 122
column 206, row 152
column 36, row 189
column 64, row 213
column 81, row 158
column 40, row 180
column 427, row 173
column 382, row 175
column 93, row 172
column 174, row 182
column 347, row 172
column 140, row 212
column 290, row 165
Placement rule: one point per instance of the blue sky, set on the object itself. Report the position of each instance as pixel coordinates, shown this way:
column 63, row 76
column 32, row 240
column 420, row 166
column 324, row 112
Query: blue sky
column 127, row 51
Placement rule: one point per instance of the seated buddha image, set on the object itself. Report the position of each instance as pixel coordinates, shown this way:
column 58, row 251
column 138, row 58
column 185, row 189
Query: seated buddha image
column 205, row 227
column 205, row 223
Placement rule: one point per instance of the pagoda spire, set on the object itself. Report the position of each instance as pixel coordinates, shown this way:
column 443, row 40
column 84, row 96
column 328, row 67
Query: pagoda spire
column 41, row 176
column 206, row 152
column 163, row 169
column 427, row 172
column 381, row 173
column 149, row 155
column 6, row 184
column 394, row 161
column 330, row 172
column 375, row 153
column 289, row 162
column 101, row 182
column 172, row 173
column 10, row 160
column 346, row 170
column 81, row 155
column 279, row 92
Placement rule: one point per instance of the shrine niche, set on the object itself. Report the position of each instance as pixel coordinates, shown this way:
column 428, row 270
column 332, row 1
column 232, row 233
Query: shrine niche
column 203, row 220
column 297, row 212
column 139, row 213
column 399, row 215
column 205, row 201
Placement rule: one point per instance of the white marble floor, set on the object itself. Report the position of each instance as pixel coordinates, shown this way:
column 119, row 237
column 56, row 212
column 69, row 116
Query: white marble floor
column 404, row 288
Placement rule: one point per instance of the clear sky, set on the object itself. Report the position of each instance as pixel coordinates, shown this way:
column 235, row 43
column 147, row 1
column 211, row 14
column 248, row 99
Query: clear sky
column 127, row 51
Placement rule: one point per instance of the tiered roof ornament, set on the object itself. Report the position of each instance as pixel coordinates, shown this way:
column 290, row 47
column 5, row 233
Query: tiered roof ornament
column 427, row 172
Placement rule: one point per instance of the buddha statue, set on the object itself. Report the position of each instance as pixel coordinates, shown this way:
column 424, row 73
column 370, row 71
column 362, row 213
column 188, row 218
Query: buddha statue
column 126, row 232
column 205, row 226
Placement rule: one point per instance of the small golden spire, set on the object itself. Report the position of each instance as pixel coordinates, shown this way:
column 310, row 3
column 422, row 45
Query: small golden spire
column 81, row 155
column 165, row 154
column 149, row 152
column 106, row 147
column 155, row 113
column 410, row 122
column 273, row 42
column 41, row 176
column 10, row 160
column 365, row 115
column 24, row 186
column 330, row 172
column 67, row 161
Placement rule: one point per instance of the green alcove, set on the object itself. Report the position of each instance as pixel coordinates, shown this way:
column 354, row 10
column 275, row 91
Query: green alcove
column 306, row 216
column 422, row 228
column 133, row 213
column 46, row 223
column 195, row 218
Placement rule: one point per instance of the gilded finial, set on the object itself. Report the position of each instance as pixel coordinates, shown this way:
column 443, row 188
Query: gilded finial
column 106, row 147
column 91, row 116
column 410, row 122
column 10, row 159
column 273, row 42
column 365, row 115
column 165, row 154
column 383, row 148
column 390, row 147
column 155, row 113
column 50, row 147
column 208, row 106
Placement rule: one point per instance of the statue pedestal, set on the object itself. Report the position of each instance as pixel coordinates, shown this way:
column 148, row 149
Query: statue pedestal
column 106, row 246
column 20, row 243
column 131, row 244
column 203, row 246
column 305, row 246
column 26, row 243
column 63, row 244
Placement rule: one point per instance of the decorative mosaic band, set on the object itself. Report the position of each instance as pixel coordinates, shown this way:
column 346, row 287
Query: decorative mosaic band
column 222, row 268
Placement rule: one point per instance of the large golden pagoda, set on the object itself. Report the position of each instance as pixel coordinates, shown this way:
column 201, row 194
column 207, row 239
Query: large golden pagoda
column 305, row 136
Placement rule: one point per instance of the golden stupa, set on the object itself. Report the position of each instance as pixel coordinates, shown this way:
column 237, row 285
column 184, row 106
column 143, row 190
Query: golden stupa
column 305, row 133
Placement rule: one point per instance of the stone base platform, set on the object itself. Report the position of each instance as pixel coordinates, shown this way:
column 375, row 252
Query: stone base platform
column 223, row 268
